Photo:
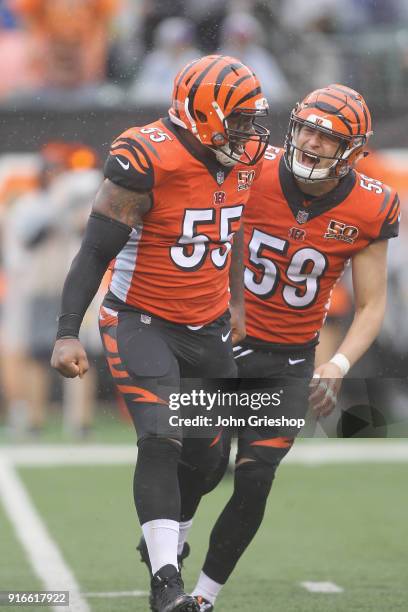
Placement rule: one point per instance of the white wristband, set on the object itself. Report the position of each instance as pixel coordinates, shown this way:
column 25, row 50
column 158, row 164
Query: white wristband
column 342, row 362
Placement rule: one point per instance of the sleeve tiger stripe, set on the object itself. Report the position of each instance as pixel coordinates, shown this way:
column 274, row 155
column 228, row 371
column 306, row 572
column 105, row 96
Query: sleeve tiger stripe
column 390, row 225
column 129, row 165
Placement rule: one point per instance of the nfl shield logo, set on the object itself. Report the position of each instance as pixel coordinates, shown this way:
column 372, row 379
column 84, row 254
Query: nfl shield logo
column 220, row 177
column 302, row 216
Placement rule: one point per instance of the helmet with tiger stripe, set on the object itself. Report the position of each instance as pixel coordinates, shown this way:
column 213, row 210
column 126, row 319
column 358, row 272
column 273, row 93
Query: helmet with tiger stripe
column 339, row 112
column 217, row 98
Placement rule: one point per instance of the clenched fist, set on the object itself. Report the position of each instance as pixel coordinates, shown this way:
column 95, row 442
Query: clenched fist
column 69, row 358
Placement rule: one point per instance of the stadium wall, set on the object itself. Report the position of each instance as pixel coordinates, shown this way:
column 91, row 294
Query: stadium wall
column 27, row 130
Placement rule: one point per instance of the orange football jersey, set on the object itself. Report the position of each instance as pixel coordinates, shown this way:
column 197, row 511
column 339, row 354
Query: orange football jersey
column 296, row 249
column 176, row 263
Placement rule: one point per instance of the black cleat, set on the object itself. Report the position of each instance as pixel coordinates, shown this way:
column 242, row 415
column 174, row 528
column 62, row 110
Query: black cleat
column 167, row 592
column 203, row 604
column 144, row 554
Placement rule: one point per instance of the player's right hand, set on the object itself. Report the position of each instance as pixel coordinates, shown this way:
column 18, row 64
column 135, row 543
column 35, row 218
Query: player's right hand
column 69, row 358
column 325, row 386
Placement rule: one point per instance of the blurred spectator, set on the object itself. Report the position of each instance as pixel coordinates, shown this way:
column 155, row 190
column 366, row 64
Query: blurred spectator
column 364, row 14
column 207, row 16
column 173, row 49
column 8, row 20
column 15, row 53
column 70, row 40
column 297, row 15
column 313, row 57
column 40, row 231
column 154, row 12
column 241, row 38
column 127, row 45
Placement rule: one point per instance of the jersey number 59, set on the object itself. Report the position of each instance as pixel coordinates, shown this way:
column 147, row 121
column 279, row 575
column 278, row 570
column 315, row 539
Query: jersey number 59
column 304, row 270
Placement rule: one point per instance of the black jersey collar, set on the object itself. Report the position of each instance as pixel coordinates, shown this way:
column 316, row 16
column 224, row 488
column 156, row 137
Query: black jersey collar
column 217, row 170
column 319, row 205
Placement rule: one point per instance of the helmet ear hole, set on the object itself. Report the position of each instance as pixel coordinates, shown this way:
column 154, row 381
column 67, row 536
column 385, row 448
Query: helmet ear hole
column 201, row 116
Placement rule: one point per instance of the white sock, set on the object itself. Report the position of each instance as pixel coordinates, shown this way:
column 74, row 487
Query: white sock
column 207, row 588
column 183, row 533
column 161, row 537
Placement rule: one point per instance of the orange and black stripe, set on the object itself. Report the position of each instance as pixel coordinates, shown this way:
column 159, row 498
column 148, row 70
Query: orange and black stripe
column 133, row 152
column 229, row 74
column 393, row 211
column 236, row 85
column 279, row 442
column 183, row 73
column 349, row 108
column 119, row 373
column 356, row 107
column 197, row 83
column 141, row 395
column 390, row 225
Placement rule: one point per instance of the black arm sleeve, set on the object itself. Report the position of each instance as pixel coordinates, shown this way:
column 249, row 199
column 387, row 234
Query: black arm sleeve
column 104, row 239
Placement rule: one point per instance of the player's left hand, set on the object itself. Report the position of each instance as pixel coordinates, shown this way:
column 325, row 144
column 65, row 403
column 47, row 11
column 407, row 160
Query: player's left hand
column 325, row 386
column 237, row 322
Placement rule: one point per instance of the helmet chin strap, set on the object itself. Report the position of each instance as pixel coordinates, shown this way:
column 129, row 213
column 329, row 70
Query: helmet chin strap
column 305, row 174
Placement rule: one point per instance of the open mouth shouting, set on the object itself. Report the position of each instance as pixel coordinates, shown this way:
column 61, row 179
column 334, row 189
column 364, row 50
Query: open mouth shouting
column 308, row 159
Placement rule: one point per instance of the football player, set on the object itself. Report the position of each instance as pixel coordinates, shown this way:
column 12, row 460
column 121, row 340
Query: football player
column 167, row 213
column 309, row 214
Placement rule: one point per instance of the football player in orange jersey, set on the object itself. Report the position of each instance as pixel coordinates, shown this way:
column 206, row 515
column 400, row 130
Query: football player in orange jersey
column 167, row 213
column 309, row 213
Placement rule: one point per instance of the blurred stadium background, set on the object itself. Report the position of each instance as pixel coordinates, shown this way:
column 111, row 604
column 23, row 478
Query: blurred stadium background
column 74, row 74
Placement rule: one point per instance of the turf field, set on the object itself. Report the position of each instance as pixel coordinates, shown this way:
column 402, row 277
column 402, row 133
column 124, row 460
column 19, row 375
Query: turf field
column 343, row 524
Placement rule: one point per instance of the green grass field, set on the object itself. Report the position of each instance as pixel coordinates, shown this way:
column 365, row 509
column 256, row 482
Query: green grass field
column 344, row 524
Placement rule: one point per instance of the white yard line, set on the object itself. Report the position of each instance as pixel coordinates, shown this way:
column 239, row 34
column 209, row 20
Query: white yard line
column 312, row 452
column 322, row 587
column 56, row 455
column 41, row 550
column 304, row 452
column 113, row 594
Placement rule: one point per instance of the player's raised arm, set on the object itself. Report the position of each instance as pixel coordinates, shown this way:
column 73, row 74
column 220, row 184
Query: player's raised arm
column 115, row 212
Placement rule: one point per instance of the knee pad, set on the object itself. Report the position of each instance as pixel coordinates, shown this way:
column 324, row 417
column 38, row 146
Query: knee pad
column 203, row 456
column 253, row 481
column 250, row 445
column 212, row 479
column 158, row 450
